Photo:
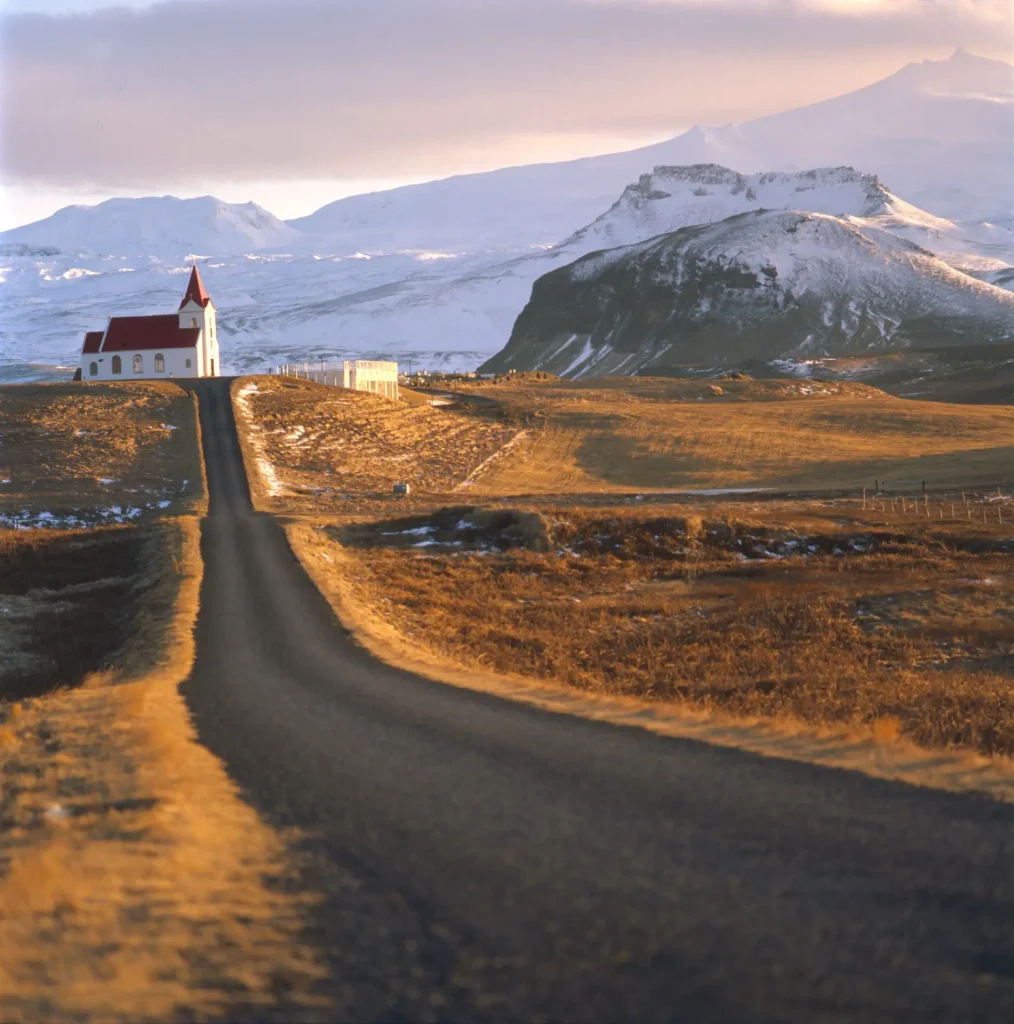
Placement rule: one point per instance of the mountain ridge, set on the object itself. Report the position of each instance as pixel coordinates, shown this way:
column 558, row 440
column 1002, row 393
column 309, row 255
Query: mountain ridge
column 758, row 285
column 156, row 225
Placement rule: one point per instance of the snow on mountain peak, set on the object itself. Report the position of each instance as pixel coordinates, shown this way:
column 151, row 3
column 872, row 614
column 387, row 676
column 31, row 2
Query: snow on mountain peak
column 674, row 197
column 762, row 284
column 157, row 226
column 961, row 75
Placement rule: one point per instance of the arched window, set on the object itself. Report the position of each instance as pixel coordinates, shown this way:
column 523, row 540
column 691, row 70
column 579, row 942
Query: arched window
column 159, row 362
column 93, row 369
column 138, row 364
column 193, row 321
column 117, row 365
column 188, row 364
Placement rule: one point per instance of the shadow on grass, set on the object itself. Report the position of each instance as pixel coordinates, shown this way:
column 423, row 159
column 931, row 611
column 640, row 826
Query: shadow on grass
column 624, row 461
column 68, row 601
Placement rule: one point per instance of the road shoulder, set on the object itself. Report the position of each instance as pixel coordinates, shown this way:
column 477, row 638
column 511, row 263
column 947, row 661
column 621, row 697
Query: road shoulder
column 833, row 747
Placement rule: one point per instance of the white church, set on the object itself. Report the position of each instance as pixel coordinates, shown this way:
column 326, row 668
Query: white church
column 181, row 344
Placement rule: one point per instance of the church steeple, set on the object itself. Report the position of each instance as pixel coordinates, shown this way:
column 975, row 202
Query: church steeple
column 195, row 290
column 197, row 310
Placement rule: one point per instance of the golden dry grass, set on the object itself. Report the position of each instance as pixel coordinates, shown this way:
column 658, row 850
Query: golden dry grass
column 78, row 450
column 327, row 445
column 911, row 635
column 640, row 435
column 135, row 883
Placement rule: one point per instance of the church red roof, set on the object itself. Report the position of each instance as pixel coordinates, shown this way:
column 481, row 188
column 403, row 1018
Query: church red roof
column 195, row 290
column 93, row 339
column 134, row 333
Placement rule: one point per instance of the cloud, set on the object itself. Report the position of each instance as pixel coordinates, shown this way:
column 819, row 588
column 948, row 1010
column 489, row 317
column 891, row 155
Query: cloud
column 187, row 90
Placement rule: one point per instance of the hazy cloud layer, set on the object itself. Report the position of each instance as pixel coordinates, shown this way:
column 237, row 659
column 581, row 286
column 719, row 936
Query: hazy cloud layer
column 251, row 89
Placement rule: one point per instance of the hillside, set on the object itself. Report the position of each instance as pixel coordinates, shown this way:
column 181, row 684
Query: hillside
column 156, row 225
column 761, row 285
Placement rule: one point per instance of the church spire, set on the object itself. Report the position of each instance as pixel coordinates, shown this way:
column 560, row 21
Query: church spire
column 195, row 290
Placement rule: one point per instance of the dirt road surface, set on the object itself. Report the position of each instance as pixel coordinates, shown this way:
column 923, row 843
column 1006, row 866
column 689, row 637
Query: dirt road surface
column 477, row 859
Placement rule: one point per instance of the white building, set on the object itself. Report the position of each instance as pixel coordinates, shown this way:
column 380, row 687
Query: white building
column 181, row 344
column 372, row 375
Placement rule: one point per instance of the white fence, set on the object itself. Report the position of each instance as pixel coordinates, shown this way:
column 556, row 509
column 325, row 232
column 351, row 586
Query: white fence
column 376, row 376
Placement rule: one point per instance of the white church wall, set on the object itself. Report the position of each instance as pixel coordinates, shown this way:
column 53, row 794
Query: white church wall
column 175, row 365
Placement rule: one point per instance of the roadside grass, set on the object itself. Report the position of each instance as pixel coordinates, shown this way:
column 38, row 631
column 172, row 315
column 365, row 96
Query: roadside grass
column 896, row 632
column 621, row 435
column 309, row 447
column 134, row 882
column 86, row 454
column 890, row 616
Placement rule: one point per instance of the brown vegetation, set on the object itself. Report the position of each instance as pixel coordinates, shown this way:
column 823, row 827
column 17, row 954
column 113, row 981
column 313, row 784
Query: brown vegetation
column 325, row 445
column 890, row 613
column 639, row 435
column 134, row 882
column 78, row 455
column 70, row 600
column 818, row 616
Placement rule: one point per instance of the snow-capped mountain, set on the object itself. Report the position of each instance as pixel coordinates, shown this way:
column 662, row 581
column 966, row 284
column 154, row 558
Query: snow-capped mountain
column 156, row 225
column 441, row 309
column 674, row 197
column 449, row 265
column 759, row 285
column 940, row 133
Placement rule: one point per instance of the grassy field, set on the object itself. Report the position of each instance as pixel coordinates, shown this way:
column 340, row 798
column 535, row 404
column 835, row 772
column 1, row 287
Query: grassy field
column 575, row 562
column 321, row 447
column 823, row 614
column 87, row 454
column 309, row 446
column 135, row 884
column 642, row 435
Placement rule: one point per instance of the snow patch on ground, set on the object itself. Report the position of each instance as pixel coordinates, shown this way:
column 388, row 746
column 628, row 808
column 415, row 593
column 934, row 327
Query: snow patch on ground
column 27, row 519
column 265, row 467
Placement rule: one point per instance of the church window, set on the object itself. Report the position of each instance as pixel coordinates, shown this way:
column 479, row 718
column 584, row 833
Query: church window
column 188, row 364
column 193, row 321
column 138, row 364
column 117, row 364
column 93, row 369
column 159, row 362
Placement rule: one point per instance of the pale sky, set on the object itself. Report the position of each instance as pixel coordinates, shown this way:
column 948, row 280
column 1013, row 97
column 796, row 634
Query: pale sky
column 294, row 103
